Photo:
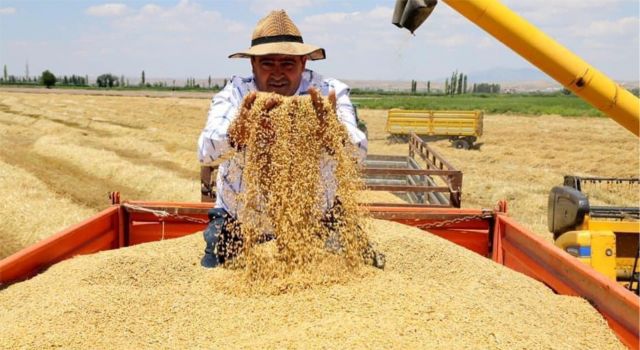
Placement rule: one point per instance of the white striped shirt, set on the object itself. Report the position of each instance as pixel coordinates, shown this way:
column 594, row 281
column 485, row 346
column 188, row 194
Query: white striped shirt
column 213, row 141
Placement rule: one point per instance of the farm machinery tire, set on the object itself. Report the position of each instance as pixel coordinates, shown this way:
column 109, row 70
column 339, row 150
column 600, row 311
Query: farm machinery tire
column 461, row 144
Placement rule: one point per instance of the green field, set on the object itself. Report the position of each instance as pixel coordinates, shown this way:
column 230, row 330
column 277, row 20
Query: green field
column 517, row 104
column 534, row 104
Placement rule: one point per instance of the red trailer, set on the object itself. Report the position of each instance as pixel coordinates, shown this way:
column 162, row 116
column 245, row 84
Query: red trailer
column 490, row 233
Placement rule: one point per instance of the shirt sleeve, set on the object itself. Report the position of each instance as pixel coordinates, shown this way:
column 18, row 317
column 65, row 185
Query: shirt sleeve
column 213, row 141
column 346, row 114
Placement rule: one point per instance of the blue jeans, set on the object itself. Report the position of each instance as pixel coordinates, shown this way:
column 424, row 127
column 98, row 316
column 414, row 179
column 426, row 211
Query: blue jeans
column 222, row 238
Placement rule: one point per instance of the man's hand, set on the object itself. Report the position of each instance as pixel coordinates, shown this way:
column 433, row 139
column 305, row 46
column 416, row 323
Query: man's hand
column 265, row 122
column 322, row 112
column 239, row 128
column 318, row 105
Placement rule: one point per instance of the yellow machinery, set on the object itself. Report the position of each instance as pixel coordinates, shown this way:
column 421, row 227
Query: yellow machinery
column 604, row 237
column 535, row 46
column 461, row 127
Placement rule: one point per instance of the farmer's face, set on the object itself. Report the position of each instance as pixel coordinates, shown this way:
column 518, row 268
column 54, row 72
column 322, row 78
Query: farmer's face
column 278, row 73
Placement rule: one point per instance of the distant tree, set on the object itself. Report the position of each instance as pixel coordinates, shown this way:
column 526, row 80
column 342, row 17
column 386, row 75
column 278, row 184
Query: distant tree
column 414, row 85
column 487, row 88
column 454, row 83
column 459, row 85
column 464, row 84
column 142, row 79
column 428, row 87
column 26, row 70
column 446, row 86
column 122, row 82
column 106, row 80
column 209, row 82
column 5, row 73
column 48, row 79
column 65, row 81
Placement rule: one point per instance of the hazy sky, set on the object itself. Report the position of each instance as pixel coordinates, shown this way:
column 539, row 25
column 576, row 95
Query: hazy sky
column 179, row 39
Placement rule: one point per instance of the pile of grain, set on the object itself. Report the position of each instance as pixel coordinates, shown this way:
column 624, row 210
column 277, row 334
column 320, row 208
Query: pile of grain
column 432, row 294
column 288, row 143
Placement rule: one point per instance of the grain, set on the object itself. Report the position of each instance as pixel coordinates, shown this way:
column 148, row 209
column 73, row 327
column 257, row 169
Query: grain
column 288, row 143
column 432, row 294
column 379, row 197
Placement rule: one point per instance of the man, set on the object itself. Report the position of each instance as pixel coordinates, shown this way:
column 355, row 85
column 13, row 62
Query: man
column 278, row 59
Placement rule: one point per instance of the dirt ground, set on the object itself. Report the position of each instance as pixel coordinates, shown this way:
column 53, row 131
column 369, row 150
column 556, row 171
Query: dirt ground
column 61, row 153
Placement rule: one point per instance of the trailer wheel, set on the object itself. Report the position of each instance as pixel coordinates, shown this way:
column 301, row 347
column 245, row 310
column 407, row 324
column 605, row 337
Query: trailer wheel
column 461, row 144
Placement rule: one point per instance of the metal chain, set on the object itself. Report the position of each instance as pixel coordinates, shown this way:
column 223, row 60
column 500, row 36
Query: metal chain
column 164, row 214
column 438, row 224
column 443, row 223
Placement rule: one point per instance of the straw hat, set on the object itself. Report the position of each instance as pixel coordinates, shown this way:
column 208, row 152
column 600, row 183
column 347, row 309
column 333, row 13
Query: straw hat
column 277, row 35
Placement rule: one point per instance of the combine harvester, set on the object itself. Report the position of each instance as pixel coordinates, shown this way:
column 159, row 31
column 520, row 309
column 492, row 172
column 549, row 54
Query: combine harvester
column 490, row 233
column 603, row 237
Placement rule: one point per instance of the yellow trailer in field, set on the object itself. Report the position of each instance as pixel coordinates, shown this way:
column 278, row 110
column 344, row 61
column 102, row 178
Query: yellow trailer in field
column 461, row 127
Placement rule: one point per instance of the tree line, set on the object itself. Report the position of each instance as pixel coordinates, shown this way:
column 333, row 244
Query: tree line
column 106, row 80
column 456, row 84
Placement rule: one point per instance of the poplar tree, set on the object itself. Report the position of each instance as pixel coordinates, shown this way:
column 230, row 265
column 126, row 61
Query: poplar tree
column 464, row 83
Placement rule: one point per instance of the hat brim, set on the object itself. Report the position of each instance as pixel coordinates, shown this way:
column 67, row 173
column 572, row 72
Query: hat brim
column 283, row 48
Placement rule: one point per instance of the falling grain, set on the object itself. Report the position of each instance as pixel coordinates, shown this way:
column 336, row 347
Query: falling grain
column 287, row 149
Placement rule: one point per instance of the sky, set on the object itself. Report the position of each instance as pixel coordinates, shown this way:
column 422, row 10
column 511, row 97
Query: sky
column 190, row 38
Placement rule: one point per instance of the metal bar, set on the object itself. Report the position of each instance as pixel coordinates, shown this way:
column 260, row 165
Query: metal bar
column 614, row 212
column 391, row 171
column 406, row 188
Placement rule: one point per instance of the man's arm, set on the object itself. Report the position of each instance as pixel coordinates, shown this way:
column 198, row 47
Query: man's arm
column 214, row 139
column 347, row 116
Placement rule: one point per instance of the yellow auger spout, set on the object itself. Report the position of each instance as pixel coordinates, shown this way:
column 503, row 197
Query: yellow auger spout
column 554, row 59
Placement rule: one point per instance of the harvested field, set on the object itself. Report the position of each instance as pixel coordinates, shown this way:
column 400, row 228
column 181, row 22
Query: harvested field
column 67, row 151
column 432, row 294
column 60, row 155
